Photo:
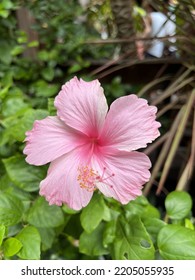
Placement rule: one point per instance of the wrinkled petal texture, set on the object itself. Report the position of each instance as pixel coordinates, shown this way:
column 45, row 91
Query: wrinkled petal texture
column 49, row 139
column 82, row 105
column 61, row 184
column 124, row 174
column 130, row 124
column 90, row 148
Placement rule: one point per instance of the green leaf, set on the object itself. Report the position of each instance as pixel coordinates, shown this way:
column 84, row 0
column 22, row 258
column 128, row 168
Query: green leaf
column 91, row 243
column 141, row 207
column 74, row 68
column 109, row 233
column 33, row 44
column 23, row 175
column 5, row 56
column 43, row 55
column 22, row 37
column 11, row 246
column 3, row 92
column 11, row 209
column 7, row 4
column 176, row 243
column 189, row 224
column 43, row 89
column 150, row 211
column 110, row 229
column 47, row 237
column 4, row 13
column 137, row 206
column 153, row 226
column 51, row 108
column 17, row 50
column 132, row 241
column 68, row 210
column 26, row 122
column 13, row 230
column 21, row 122
column 2, row 233
column 5, row 84
column 48, row 74
column 178, row 204
column 7, row 79
column 12, row 105
column 41, row 214
column 31, row 241
column 7, row 185
column 73, row 225
column 94, row 213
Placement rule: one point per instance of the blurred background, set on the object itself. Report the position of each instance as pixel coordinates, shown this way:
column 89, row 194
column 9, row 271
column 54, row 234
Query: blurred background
column 44, row 43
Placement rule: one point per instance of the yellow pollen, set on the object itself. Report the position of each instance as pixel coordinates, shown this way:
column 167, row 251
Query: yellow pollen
column 87, row 178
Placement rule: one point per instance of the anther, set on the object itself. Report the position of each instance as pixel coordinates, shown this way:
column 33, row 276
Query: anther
column 88, row 178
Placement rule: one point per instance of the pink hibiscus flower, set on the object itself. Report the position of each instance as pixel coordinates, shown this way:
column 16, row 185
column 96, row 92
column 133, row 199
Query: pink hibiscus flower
column 90, row 148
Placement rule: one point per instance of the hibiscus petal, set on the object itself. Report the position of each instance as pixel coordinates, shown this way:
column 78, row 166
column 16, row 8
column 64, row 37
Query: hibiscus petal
column 82, row 105
column 49, row 139
column 124, row 174
column 61, row 184
column 130, row 124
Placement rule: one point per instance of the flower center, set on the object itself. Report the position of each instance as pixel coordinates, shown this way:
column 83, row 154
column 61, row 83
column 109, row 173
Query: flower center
column 88, row 178
column 94, row 140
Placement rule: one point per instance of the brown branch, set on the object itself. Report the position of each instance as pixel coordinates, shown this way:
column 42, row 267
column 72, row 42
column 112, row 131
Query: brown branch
column 132, row 40
column 25, row 22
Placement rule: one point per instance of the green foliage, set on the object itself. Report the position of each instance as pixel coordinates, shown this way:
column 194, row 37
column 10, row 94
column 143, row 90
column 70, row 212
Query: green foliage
column 2, row 233
column 11, row 247
column 31, row 242
column 98, row 210
column 132, row 240
column 103, row 228
column 26, row 177
column 11, row 209
column 176, row 243
column 29, row 227
column 91, row 243
column 44, row 216
column 153, row 226
column 178, row 205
